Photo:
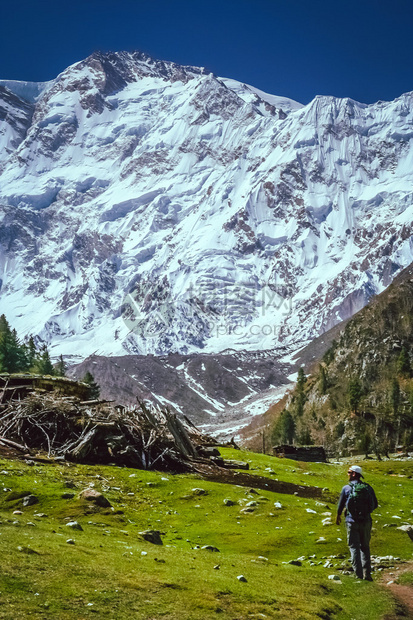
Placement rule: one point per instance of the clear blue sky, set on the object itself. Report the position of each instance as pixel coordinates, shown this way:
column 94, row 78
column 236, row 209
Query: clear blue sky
column 296, row 48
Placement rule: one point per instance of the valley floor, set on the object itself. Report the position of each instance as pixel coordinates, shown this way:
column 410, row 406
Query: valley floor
column 232, row 549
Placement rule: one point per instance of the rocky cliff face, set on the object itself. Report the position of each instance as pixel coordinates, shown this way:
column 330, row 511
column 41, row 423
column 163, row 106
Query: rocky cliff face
column 222, row 391
column 148, row 207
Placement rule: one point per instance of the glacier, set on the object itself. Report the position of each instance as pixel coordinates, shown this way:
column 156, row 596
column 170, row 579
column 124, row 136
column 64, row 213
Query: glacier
column 152, row 208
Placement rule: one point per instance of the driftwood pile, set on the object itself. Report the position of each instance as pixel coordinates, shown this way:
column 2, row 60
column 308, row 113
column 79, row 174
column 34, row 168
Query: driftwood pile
column 146, row 437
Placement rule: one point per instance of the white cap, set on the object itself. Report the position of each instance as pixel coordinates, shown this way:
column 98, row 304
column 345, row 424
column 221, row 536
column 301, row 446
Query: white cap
column 357, row 470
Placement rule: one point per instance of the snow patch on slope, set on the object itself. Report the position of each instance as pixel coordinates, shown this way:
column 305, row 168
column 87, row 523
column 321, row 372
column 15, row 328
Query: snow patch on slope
column 245, row 91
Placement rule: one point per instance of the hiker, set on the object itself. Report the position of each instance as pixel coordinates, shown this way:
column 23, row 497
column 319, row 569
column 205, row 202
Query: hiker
column 358, row 500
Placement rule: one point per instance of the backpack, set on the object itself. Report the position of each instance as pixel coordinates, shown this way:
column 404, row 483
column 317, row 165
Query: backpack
column 360, row 501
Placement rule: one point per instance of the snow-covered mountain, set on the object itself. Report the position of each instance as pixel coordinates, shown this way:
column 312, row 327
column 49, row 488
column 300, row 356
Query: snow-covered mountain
column 148, row 207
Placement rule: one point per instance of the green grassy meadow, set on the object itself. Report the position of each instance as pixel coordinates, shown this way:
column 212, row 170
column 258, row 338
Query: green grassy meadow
column 111, row 572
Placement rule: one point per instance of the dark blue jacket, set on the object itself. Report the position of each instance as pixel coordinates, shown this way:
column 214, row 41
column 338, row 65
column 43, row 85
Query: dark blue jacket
column 345, row 494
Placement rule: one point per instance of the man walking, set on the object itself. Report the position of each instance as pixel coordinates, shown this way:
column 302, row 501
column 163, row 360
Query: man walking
column 358, row 500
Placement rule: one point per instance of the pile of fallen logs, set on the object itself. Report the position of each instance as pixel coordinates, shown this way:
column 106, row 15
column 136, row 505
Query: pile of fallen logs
column 146, row 437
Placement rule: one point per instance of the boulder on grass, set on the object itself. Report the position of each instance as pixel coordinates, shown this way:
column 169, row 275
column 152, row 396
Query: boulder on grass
column 75, row 526
column 30, row 500
column 408, row 529
column 97, row 498
column 152, row 536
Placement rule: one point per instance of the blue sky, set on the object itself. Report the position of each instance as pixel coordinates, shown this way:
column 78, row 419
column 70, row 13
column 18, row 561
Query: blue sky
column 358, row 48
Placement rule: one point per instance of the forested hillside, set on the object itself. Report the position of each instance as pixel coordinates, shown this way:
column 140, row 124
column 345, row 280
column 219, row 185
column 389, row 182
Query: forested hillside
column 361, row 394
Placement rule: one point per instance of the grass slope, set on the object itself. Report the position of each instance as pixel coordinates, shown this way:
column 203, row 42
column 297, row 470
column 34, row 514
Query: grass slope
column 110, row 572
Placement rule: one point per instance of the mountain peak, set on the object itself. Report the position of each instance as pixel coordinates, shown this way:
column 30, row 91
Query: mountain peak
column 121, row 68
column 149, row 207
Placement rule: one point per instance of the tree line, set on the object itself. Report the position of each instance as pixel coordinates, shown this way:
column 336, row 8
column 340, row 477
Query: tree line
column 17, row 356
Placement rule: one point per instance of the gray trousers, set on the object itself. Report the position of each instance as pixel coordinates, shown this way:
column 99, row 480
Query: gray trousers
column 358, row 540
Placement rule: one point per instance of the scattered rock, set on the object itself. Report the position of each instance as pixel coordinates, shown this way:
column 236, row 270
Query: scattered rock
column 242, row 578
column 68, row 495
column 70, row 541
column 247, row 510
column 30, row 500
column 69, row 484
column 278, row 505
column 198, row 491
column 295, row 562
column 335, row 578
column 94, row 496
column 17, row 512
column 311, row 511
column 229, row 502
column 152, row 536
column 408, row 529
column 75, row 526
column 210, row 548
column 27, row 550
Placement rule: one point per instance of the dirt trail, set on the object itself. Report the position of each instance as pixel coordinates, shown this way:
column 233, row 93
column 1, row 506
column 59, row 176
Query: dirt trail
column 229, row 476
column 402, row 593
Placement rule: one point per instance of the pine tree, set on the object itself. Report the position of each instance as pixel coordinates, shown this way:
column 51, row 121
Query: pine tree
column 304, row 436
column 31, row 352
column 43, row 364
column 4, row 324
column 16, row 358
column 395, row 396
column 301, row 379
column 94, row 389
column 61, row 366
column 11, row 352
column 403, row 363
column 354, row 394
column 5, row 333
column 364, row 443
column 395, row 402
column 284, row 429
